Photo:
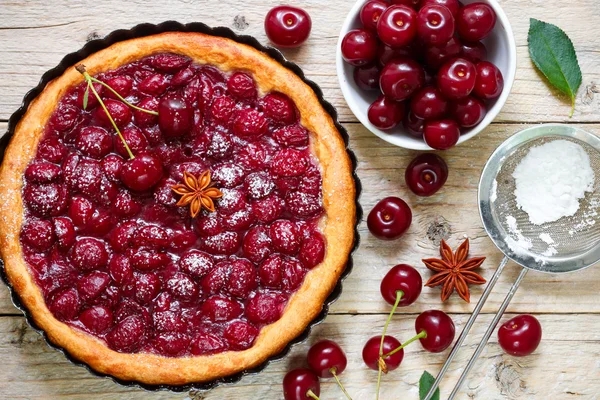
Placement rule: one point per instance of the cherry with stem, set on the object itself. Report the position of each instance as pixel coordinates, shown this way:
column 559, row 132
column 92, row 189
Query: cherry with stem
column 327, row 359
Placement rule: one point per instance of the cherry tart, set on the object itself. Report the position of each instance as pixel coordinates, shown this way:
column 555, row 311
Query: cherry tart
column 185, row 244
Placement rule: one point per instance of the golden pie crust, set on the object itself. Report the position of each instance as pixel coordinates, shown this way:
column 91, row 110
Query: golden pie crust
column 337, row 225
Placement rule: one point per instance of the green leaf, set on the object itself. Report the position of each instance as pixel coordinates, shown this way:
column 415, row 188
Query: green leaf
column 86, row 95
column 553, row 54
column 425, row 383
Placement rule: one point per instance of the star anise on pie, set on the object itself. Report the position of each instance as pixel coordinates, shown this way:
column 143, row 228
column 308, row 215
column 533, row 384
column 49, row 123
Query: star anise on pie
column 198, row 193
column 454, row 271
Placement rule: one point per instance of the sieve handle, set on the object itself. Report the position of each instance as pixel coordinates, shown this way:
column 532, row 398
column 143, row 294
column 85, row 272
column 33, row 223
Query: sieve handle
column 467, row 328
column 488, row 333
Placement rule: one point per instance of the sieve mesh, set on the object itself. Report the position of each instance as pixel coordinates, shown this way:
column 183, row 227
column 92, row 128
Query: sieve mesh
column 572, row 236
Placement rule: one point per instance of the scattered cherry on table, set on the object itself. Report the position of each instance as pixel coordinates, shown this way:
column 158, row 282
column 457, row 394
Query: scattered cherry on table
column 439, row 330
column 389, row 219
column 287, row 26
column 401, row 284
column 520, row 336
column 327, row 359
column 300, row 384
column 426, row 174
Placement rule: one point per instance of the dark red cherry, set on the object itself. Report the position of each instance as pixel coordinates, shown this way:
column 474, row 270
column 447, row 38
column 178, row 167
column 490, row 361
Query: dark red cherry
column 359, row 47
column 142, row 173
column 287, row 26
column 468, row 111
column 371, row 12
column 520, row 336
column 441, row 135
column 413, row 125
column 325, row 357
column 370, row 352
column 389, row 219
column 298, row 382
column 385, row 113
column 436, row 56
column 435, row 24
column 474, row 52
column 456, row 78
column 426, row 174
column 403, row 278
column 439, row 329
column 428, row 104
column 400, row 78
column 451, row 5
column 410, row 3
column 367, row 78
column 397, row 26
column 175, row 116
column 475, row 21
column 385, row 54
column 489, row 82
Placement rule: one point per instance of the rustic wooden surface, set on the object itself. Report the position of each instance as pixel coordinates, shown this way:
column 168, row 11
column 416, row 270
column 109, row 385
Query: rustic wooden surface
column 35, row 35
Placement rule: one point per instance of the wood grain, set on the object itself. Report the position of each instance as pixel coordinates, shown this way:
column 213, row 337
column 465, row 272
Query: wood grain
column 35, row 35
column 65, row 27
column 34, row 371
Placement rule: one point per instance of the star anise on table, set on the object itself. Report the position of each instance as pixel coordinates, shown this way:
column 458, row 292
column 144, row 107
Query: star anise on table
column 454, row 271
column 198, row 193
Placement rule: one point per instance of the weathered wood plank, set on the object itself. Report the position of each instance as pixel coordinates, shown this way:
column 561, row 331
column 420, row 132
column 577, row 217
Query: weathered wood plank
column 64, row 27
column 32, row 370
column 454, row 208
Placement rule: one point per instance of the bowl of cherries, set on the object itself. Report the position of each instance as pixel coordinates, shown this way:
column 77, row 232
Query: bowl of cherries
column 424, row 74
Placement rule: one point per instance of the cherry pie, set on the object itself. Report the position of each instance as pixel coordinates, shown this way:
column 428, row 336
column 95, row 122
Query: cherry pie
column 210, row 249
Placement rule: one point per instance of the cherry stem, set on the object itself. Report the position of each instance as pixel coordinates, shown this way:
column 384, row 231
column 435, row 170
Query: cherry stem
column 121, row 97
column 333, row 372
column 399, row 294
column 81, row 69
column 421, row 335
column 312, row 395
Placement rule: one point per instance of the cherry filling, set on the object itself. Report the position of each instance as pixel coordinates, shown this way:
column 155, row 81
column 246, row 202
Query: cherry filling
column 116, row 257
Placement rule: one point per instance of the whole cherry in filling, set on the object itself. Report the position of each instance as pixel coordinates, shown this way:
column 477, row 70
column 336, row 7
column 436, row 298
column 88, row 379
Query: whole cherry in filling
column 108, row 231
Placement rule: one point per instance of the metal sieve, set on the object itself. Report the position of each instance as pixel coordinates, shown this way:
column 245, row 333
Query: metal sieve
column 576, row 239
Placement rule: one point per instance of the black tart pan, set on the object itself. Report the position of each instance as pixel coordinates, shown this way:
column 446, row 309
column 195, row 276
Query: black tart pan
column 146, row 30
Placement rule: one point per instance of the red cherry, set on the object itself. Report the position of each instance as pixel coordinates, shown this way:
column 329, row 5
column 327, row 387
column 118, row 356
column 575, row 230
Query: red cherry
column 413, row 125
column 397, row 26
column 428, row 104
column 367, row 78
column 456, row 78
column 400, row 78
column 359, row 47
column 474, row 52
column 475, row 21
column 389, row 219
column 403, row 278
column 435, row 24
column 142, row 173
column 175, row 116
column 371, row 12
column 426, row 174
column 436, row 56
column 452, row 5
column 370, row 352
column 410, row 3
column 385, row 113
column 439, row 329
column 468, row 112
column 385, row 54
column 299, row 382
column 287, row 26
column 520, row 336
column 441, row 135
column 326, row 359
column 489, row 83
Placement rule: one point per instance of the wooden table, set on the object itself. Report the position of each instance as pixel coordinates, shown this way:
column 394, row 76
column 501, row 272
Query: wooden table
column 35, row 35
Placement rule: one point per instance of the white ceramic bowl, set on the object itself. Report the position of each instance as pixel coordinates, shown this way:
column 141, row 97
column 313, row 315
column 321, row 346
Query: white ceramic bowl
column 501, row 51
